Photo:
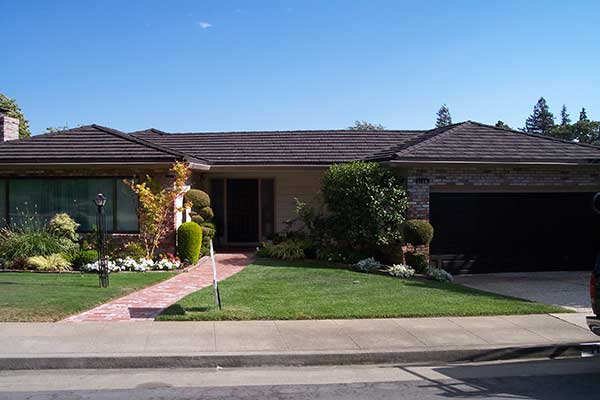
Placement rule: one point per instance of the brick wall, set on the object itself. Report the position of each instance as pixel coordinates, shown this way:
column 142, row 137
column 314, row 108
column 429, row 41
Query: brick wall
column 9, row 128
column 421, row 181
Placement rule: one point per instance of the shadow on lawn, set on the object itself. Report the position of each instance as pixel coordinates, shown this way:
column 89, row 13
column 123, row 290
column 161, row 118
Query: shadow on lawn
column 177, row 309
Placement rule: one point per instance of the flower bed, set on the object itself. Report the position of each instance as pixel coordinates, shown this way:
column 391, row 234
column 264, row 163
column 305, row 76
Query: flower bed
column 166, row 263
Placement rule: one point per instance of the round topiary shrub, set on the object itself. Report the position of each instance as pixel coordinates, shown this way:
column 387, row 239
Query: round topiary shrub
column 418, row 232
column 189, row 242
column 198, row 198
column 197, row 219
column 206, row 213
column 84, row 257
column 419, row 261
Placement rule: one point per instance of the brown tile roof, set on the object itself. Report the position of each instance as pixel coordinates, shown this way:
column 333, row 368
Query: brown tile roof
column 279, row 147
column 463, row 142
column 474, row 142
column 85, row 144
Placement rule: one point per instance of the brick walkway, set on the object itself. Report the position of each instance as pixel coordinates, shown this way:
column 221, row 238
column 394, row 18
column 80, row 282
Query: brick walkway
column 147, row 303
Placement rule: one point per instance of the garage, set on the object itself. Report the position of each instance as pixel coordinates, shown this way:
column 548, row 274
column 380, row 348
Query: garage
column 507, row 232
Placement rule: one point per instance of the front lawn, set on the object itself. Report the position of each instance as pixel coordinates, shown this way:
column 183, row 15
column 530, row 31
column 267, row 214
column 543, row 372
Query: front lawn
column 274, row 289
column 29, row 296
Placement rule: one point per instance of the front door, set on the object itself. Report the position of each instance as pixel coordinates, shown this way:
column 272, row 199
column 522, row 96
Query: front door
column 242, row 210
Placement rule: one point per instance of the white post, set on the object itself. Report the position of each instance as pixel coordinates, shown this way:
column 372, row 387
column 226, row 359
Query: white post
column 215, row 281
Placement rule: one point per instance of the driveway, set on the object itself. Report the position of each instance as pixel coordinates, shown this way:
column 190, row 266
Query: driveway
column 566, row 289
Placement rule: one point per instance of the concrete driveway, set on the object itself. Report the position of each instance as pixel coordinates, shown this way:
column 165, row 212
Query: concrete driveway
column 565, row 289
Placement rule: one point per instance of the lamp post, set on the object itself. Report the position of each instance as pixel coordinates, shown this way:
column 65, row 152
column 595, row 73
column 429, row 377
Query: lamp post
column 100, row 201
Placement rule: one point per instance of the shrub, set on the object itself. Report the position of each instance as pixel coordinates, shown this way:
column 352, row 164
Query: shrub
column 62, row 225
column 198, row 219
column 52, row 262
column 366, row 204
column 189, row 242
column 198, row 198
column 208, row 233
column 133, row 250
column 392, row 254
column 418, row 232
column 264, row 250
column 400, row 271
column 292, row 249
column 206, row 213
column 30, row 242
column 368, row 265
column 20, row 263
column 440, row 275
column 84, row 257
column 419, row 261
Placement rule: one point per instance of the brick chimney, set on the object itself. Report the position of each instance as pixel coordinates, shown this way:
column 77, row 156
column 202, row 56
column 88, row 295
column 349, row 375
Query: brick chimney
column 9, row 126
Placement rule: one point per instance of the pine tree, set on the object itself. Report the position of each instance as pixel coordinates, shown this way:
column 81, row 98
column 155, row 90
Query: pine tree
column 502, row 125
column 443, row 117
column 541, row 120
column 564, row 116
column 583, row 115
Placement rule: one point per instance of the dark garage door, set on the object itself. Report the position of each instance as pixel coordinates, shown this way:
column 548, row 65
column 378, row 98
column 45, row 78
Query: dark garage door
column 497, row 232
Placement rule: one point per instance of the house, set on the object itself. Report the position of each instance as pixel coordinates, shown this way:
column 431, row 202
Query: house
column 499, row 200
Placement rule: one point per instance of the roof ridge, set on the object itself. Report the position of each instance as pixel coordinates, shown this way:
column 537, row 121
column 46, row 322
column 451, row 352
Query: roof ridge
column 409, row 144
column 159, row 132
column 146, row 143
column 535, row 135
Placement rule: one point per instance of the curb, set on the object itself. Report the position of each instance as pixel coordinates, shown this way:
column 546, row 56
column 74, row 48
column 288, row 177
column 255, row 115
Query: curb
column 234, row 360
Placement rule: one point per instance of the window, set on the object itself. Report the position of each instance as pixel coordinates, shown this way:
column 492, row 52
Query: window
column 45, row 197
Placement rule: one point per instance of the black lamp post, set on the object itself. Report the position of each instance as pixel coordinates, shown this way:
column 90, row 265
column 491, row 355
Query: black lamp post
column 100, row 201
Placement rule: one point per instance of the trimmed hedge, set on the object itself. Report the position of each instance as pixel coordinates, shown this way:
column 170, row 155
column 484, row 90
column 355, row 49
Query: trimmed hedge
column 189, row 242
column 418, row 232
column 418, row 261
column 198, row 198
column 206, row 213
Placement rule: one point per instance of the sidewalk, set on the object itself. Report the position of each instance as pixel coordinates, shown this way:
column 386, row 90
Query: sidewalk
column 153, row 344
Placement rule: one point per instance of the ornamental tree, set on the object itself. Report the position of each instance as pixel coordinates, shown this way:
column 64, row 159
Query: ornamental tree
column 366, row 203
column 157, row 205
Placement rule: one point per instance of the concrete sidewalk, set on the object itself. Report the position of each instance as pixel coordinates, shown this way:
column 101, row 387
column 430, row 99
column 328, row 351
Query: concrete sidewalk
column 51, row 345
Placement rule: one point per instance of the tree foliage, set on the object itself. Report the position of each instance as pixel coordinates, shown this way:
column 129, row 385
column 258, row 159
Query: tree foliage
column 443, row 117
column 541, row 121
column 366, row 126
column 565, row 119
column 365, row 203
column 15, row 111
column 157, row 205
column 500, row 124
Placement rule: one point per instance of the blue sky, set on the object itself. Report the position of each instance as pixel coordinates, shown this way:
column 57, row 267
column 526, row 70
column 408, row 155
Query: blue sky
column 253, row 65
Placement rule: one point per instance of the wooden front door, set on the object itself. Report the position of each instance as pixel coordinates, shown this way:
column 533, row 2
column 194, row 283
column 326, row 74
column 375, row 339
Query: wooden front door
column 242, row 210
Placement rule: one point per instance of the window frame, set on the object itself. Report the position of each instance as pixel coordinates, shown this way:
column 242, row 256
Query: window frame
column 114, row 200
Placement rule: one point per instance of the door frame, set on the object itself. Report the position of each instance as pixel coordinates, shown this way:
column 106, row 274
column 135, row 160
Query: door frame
column 259, row 180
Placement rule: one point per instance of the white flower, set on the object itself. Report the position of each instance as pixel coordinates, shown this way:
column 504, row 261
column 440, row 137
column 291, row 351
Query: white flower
column 400, row 271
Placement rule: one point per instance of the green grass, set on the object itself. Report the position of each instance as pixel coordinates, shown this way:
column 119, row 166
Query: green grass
column 273, row 289
column 50, row 297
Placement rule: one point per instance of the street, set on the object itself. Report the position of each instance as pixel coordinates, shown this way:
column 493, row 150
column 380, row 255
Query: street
column 537, row 379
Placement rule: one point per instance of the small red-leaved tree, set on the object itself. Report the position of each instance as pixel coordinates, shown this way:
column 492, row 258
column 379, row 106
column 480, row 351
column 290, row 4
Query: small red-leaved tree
column 157, row 205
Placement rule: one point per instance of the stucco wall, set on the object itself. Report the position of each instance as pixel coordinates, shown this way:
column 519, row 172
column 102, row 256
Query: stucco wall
column 290, row 183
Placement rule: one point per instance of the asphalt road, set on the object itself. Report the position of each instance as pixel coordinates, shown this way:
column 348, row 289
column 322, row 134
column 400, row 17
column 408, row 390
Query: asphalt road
column 543, row 379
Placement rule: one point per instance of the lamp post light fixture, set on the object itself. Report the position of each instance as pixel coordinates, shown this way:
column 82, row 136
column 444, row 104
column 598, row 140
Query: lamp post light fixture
column 100, row 202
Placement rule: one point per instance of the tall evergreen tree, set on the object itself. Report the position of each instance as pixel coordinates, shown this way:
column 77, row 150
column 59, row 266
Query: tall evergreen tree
column 443, row 117
column 541, row 121
column 564, row 116
column 583, row 115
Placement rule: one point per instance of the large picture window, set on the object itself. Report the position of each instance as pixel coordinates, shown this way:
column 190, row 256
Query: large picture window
column 23, row 199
